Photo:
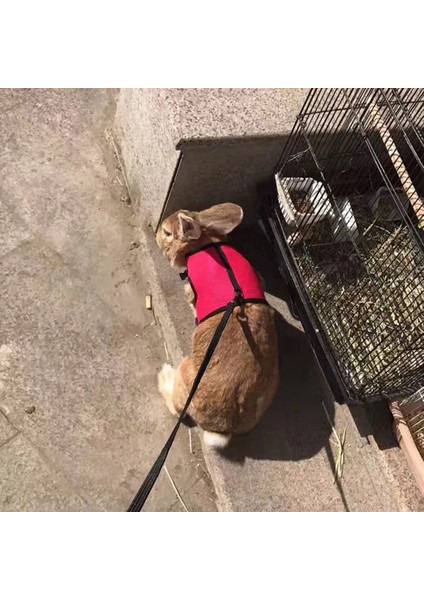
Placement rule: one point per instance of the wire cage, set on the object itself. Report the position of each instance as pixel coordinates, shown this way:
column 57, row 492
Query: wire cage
column 349, row 221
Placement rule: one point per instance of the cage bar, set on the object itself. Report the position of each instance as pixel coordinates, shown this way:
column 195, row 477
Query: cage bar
column 354, row 239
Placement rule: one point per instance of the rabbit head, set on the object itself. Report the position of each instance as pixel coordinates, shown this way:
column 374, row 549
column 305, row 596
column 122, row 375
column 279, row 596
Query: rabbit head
column 185, row 231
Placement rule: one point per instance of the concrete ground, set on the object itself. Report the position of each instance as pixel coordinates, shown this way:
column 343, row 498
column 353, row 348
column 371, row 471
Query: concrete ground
column 80, row 418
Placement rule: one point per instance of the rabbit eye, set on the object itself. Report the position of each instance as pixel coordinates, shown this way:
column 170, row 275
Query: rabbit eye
column 167, row 233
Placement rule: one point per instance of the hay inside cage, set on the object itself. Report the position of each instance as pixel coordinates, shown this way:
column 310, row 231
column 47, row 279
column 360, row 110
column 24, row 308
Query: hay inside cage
column 369, row 298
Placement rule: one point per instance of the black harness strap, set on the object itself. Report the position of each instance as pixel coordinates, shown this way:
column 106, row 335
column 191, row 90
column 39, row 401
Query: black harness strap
column 147, row 485
column 236, row 286
column 242, row 301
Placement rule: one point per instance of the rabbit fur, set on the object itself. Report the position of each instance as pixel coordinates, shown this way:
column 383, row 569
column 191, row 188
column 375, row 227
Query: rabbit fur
column 242, row 377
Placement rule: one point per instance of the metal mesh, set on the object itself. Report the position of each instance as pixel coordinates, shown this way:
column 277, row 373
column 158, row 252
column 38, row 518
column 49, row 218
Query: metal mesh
column 351, row 189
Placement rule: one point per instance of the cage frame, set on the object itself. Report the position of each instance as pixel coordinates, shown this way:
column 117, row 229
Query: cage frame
column 274, row 226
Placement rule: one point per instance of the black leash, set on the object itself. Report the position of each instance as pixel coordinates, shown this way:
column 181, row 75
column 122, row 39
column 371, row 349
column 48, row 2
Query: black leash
column 147, row 485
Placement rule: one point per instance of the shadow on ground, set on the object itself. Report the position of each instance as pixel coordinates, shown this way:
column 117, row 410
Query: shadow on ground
column 295, row 427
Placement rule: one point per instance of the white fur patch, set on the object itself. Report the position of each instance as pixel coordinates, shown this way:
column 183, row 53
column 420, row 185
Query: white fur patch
column 216, row 440
column 166, row 380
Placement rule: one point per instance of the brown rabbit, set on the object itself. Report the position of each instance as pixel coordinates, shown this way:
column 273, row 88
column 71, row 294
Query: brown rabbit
column 242, row 377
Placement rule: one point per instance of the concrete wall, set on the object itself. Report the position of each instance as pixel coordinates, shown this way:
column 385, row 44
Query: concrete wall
column 191, row 148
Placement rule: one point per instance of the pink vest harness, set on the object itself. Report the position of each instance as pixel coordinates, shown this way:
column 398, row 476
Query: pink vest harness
column 218, row 273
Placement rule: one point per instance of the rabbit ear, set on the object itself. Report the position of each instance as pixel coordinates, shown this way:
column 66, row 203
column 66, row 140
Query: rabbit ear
column 221, row 218
column 188, row 228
